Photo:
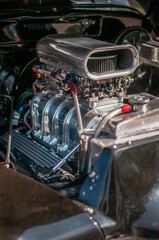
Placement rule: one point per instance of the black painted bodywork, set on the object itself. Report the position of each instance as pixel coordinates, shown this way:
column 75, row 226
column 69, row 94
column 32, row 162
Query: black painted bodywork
column 127, row 178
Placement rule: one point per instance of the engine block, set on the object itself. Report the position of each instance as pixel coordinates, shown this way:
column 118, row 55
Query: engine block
column 77, row 82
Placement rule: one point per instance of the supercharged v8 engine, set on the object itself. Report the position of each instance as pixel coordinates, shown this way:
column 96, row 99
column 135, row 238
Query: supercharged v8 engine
column 75, row 125
column 78, row 81
column 79, row 119
column 72, row 67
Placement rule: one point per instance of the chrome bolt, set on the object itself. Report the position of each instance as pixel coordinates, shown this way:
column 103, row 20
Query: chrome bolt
column 114, row 146
column 89, row 210
column 129, row 142
column 92, row 174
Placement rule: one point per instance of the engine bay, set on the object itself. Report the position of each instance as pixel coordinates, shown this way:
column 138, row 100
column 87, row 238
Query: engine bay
column 78, row 83
column 65, row 101
column 75, row 110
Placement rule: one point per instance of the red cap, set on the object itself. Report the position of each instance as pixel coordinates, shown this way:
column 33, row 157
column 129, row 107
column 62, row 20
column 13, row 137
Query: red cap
column 126, row 108
column 20, row 128
column 52, row 74
column 34, row 90
column 73, row 88
column 35, row 69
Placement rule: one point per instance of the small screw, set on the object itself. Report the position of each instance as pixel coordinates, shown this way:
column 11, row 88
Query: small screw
column 89, row 210
column 115, row 146
column 92, row 174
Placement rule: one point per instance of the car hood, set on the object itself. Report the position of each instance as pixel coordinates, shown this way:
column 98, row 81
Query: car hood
column 25, row 203
column 42, row 5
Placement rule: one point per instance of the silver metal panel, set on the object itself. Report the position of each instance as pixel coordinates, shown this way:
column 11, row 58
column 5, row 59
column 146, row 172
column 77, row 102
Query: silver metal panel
column 149, row 53
column 57, row 121
column 55, row 128
column 135, row 123
column 74, row 53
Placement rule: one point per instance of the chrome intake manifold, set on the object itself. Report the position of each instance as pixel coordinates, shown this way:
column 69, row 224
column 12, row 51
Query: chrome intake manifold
column 54, row 120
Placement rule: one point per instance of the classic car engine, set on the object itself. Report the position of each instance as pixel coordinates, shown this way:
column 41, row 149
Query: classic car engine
column 78, row 82
column 79, row 112
column 99, row 72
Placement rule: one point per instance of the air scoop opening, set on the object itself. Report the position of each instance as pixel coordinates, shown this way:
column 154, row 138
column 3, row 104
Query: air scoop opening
column 125, row 59
column 88, row 58
column 111, row 63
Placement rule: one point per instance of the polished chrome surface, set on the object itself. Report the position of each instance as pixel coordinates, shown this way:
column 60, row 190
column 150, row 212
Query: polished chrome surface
column 116, row 131
column 66, row 126
column 83, row 56
column 35, row 112
column 66, row 158
column 149, row 53
column 93, row 128
column 139, row 102
column 135, row 123
column 96, row 114
column 55, row 128
column 104, row 102
column 105, row 119
column 55, row 121
column 78, row 112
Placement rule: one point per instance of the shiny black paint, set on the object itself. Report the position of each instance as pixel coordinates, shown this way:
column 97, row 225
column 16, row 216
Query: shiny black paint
column 137, row 174
column 74, row 228
column 97, row 22
column 26, row 203
column 35, row 6
column 126, row 185
column 95, row 190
